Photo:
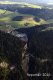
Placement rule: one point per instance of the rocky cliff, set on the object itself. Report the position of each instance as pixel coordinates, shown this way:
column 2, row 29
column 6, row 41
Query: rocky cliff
column 11, row 49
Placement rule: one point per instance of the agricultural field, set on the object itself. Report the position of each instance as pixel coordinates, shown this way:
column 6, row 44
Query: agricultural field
column 26, row 21
column 17, row 15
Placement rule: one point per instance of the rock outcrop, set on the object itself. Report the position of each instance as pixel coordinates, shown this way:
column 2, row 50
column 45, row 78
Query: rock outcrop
column 11, row 49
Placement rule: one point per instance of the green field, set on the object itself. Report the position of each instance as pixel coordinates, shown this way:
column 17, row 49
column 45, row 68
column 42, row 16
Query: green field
column 27, row 21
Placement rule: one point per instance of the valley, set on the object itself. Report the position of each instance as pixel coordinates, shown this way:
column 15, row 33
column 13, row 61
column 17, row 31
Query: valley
column 18, row 15
column 26, row 40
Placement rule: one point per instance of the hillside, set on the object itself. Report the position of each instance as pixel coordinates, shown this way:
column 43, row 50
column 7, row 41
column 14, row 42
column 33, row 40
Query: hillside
column 11, row 49
column 11, row 17
column 26, row 40
column 16, row 15
column 40, row 43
